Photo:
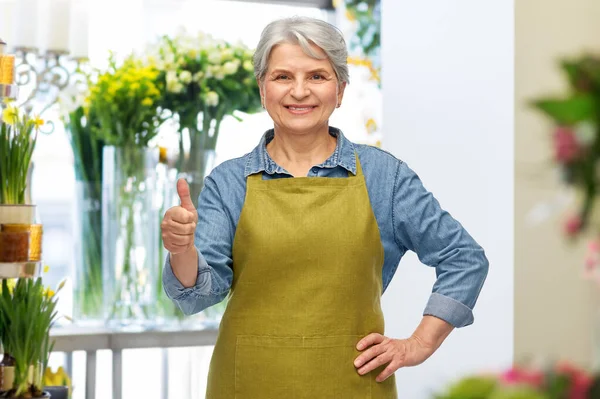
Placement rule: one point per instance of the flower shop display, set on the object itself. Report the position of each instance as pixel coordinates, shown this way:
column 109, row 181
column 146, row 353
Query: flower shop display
column 123, row 103
column 559, row 381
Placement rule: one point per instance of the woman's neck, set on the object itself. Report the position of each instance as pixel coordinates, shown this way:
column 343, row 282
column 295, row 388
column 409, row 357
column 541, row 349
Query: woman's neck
column 299, row 152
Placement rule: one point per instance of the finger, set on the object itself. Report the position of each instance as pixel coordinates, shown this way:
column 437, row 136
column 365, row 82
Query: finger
column 172, row 225
column 369, row 354
column 371, row 339
column 379, row 361
column 183, row 216
column 183, row 190
column 388, row 371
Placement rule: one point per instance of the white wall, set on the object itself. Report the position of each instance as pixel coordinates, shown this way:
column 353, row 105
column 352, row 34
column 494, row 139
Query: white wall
column 448, row 112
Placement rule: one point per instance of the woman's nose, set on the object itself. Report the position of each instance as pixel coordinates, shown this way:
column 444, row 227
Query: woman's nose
column 299, row 90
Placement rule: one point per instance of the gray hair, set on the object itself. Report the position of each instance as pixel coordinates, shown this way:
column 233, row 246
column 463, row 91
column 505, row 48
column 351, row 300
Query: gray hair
column 303, row 31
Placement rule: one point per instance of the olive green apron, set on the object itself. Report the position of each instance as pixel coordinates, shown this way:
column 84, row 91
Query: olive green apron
column 307, row 264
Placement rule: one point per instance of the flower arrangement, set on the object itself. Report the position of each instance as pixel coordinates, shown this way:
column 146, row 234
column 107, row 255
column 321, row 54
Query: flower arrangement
column 123, row 112
column 205, row 80
column 124, row 103
column 18, row 136
column 27, row 312
column 562, row 381
column 576, row 138
column 575, row 117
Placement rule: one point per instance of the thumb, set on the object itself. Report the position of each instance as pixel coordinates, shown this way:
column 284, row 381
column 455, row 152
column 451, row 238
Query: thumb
column 183, row 190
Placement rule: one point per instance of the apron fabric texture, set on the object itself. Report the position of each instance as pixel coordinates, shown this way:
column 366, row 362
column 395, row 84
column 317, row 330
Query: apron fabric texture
column 307, row 264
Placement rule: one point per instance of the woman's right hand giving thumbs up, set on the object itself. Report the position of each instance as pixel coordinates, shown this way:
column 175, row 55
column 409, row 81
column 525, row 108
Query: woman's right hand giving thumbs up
column 179, row 223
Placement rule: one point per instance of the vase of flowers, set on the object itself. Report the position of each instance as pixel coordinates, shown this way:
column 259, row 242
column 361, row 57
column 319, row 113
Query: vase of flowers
column 18, row 136
column 27, row 312
column 87, row 145
column 123, row 102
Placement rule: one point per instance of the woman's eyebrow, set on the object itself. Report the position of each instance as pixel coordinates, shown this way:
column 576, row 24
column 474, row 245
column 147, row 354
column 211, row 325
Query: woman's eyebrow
column 282, row 70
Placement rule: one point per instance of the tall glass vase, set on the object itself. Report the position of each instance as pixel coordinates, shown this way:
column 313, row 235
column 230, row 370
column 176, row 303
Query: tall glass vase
column 130, row 234
column 88, row 287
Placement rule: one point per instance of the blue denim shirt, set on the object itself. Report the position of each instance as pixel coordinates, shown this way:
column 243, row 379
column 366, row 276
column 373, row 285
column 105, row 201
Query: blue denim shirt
column 408, row 216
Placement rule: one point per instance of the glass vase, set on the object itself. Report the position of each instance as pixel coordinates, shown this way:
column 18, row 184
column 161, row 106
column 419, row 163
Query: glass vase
column 130, row 231
column 88, row 284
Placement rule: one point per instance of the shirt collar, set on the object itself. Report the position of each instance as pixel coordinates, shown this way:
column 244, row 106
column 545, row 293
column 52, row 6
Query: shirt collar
column 259, row 159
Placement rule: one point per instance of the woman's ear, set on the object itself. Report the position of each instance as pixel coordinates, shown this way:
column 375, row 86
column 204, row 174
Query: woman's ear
column 340, row 94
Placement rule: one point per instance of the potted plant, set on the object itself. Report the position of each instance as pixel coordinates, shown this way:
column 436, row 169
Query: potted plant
column 18, row 135
column 27, row 312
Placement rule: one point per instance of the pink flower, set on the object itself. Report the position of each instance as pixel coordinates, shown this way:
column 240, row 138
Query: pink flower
column 519, row 375
column 566, row 148
column 580, row 379
column 573, row 225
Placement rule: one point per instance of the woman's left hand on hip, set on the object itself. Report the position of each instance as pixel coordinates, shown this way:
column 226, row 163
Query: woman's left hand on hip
column 378, row 350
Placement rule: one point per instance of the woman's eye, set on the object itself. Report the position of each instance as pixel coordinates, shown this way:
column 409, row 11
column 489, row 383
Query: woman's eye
column 281, row 77
column 318, row 77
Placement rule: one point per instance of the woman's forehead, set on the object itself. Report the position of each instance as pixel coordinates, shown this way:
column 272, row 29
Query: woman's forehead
column 292, row 57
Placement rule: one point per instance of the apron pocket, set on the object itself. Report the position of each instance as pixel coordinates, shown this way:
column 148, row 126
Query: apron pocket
column 269, row 367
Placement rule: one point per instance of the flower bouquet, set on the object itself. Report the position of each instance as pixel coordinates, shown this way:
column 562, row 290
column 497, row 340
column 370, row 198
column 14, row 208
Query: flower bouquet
column 124, row 114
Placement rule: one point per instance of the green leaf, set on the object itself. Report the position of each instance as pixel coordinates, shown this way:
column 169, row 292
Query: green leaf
column 568, row 111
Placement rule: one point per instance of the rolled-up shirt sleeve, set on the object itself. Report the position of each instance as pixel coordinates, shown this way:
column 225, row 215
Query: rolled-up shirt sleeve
column 213, row 240
column 440, row 241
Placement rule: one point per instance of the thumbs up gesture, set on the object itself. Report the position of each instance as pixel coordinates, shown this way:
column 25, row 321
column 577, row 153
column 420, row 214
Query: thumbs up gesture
column 179, row 223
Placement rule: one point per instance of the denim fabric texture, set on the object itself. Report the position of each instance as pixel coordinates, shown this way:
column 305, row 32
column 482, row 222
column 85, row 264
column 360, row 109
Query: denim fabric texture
column 408, row 216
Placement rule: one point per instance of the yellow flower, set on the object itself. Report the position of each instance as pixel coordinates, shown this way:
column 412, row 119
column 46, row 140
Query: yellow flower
column 38, row 122
column 7, row 100
column 371, row 126
column 349, row 16
column 46, row 269
column 10, row 115
column 147, row 102
column 48, row 292
column 11, row 285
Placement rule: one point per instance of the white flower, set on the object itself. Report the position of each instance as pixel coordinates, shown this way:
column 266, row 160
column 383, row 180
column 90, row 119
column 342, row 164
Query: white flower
column 226, row 54
column 211, row 99
column 248, row 66
column 231, row 67
column 185, row 77
column 585, row 133
column 173, row 83
column 198, row 76
column 169, row 58
column 214, row 57
column 220, row 74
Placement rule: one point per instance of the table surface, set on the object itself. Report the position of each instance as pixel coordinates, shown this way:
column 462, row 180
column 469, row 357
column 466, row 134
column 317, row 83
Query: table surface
column 74, row 338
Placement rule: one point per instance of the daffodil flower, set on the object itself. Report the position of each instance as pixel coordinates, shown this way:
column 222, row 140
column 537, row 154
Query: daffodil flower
column 10, row 115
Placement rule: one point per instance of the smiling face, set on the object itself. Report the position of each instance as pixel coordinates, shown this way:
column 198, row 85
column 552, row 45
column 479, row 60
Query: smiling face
column 300, row 92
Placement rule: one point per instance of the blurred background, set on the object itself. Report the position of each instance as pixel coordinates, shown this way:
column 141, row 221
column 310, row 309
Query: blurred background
column 494, row 104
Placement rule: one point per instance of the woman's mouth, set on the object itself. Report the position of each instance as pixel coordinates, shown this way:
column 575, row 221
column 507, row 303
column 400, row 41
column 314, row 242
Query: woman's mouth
column 300, row 109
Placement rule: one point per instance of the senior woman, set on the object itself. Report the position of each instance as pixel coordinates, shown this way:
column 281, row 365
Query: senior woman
column 305, row 233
